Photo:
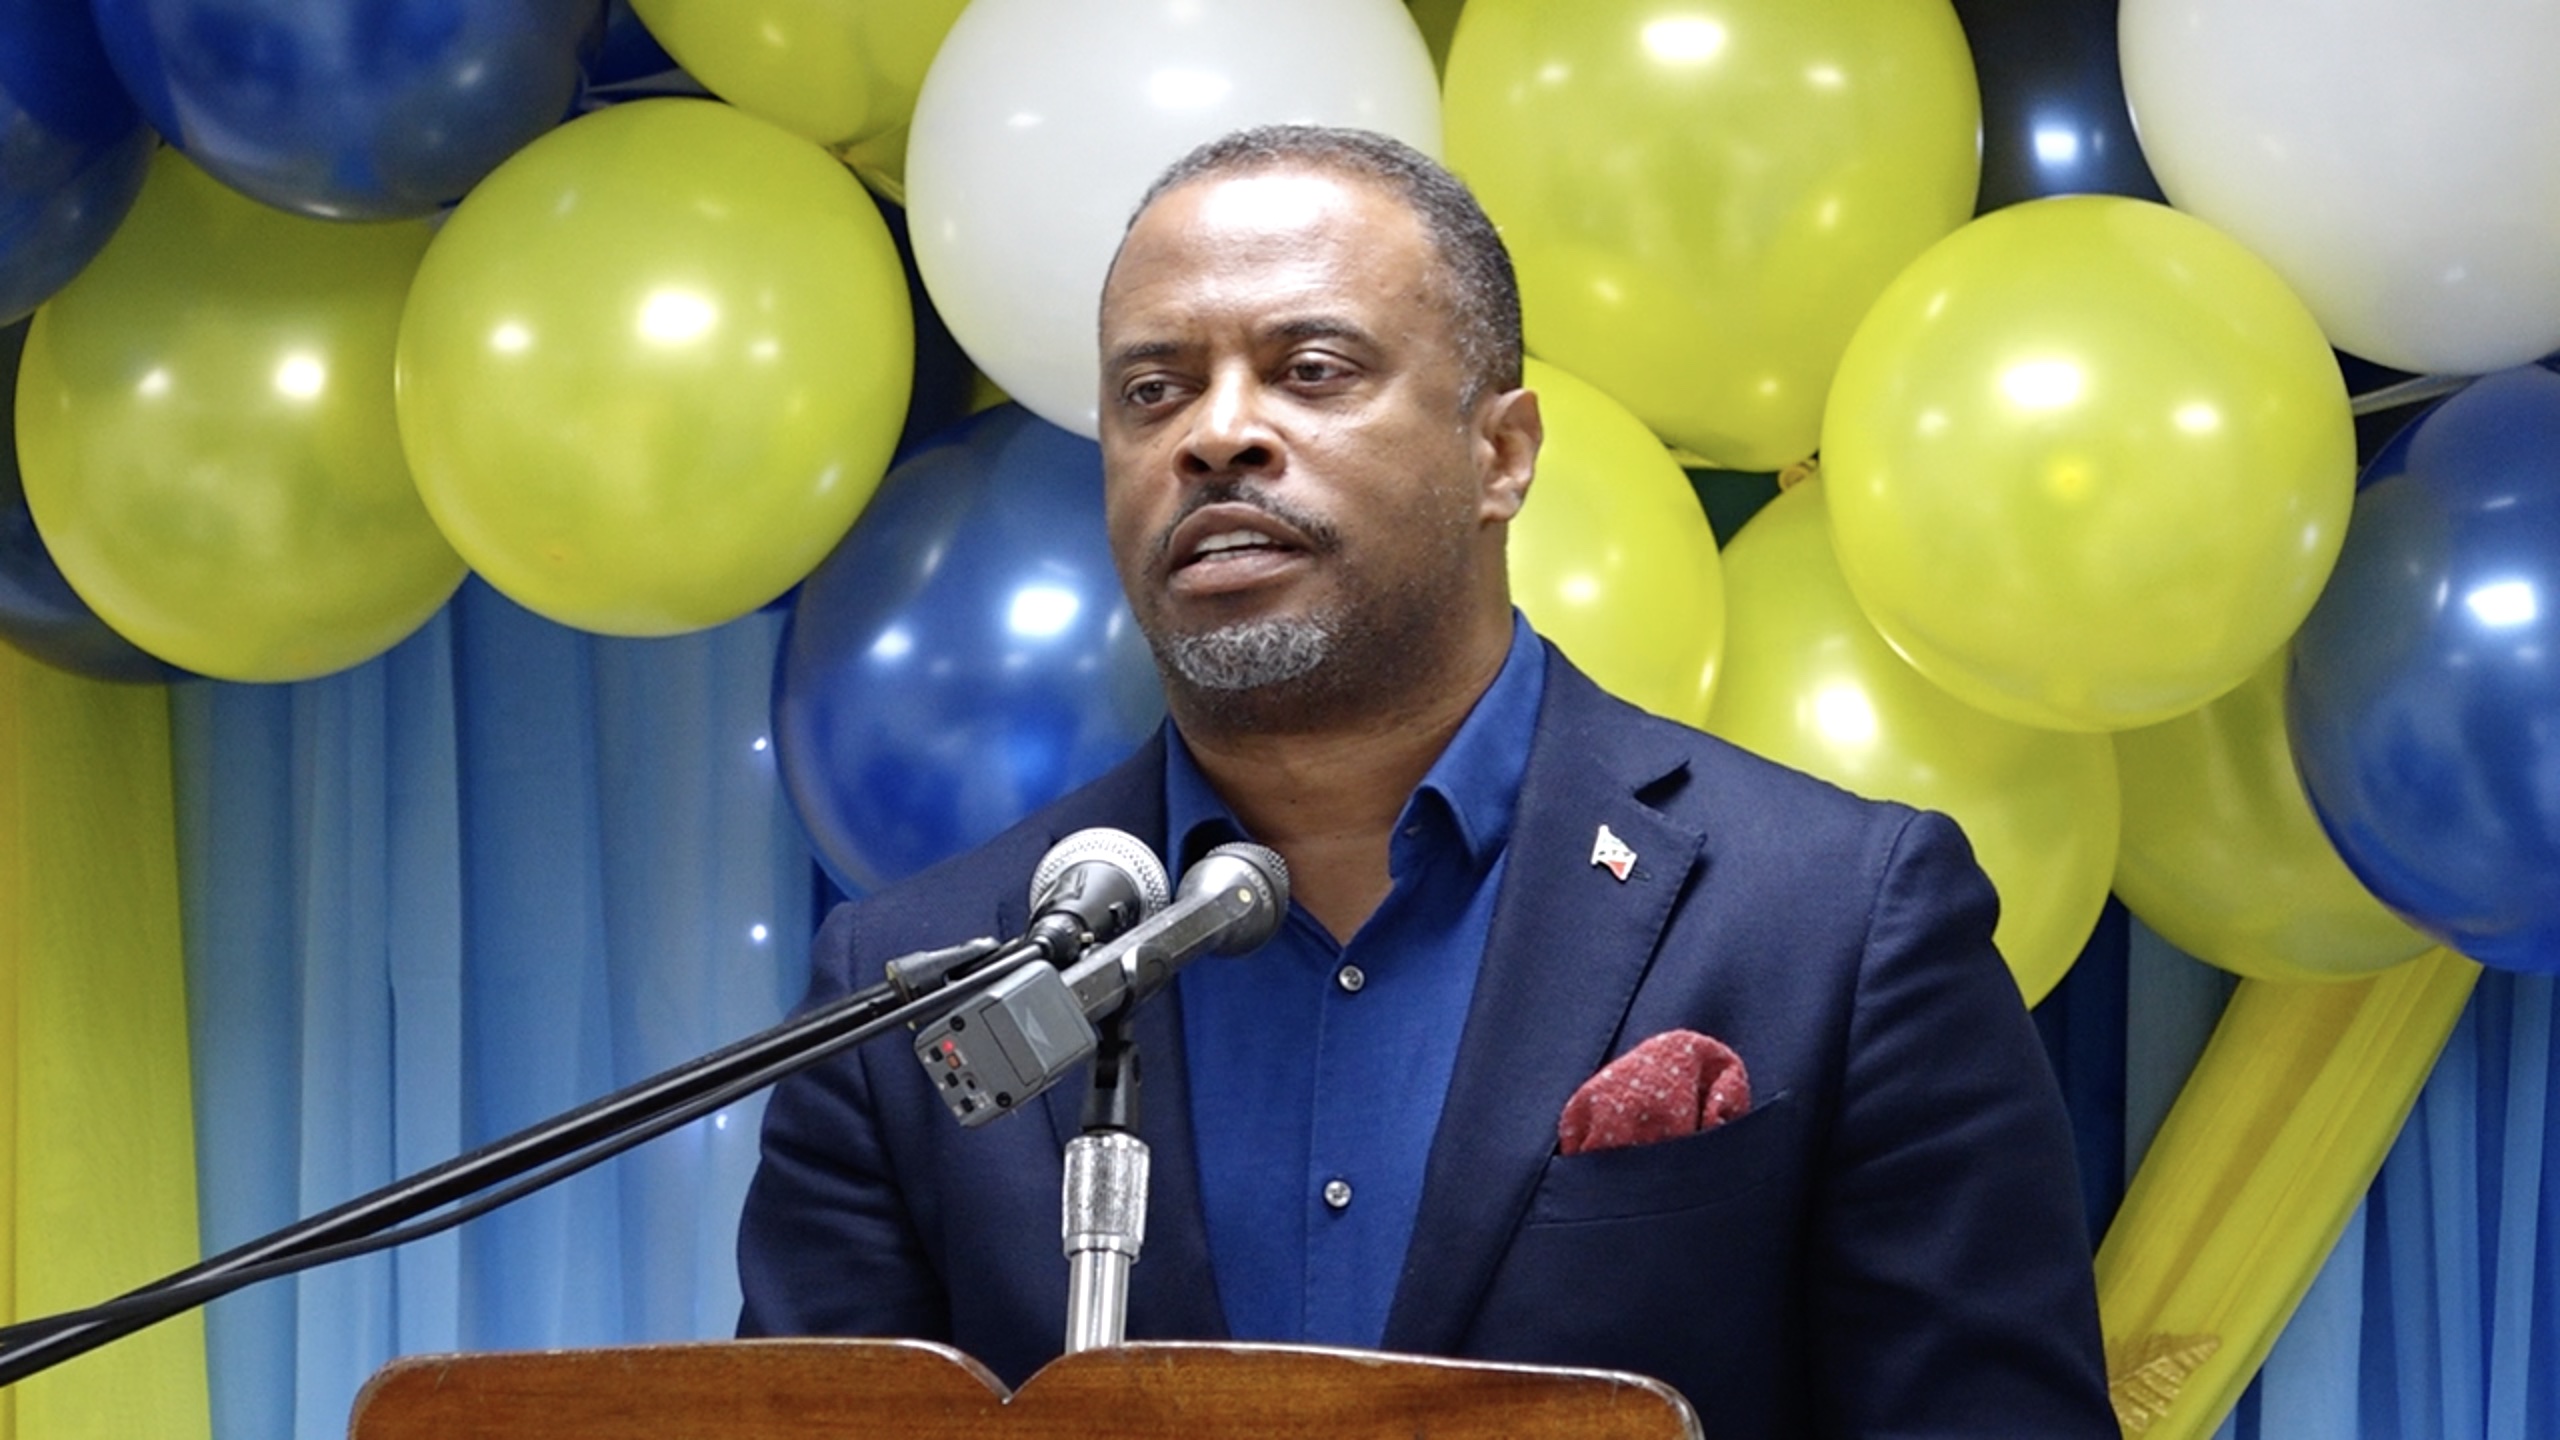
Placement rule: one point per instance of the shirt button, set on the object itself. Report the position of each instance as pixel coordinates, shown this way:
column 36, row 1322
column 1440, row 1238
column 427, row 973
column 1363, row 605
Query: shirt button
column 1350, row 979
column 1337, row 1194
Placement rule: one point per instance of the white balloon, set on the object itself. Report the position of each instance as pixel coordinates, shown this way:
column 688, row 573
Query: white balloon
column 1042, row 122
column 2397, row 161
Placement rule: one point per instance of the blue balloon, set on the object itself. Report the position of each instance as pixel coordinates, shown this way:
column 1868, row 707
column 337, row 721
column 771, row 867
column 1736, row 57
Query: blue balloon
column 351, row 109
column 72, row 149
column 964, row 657
column 2424, row 703
column 39, row 612
column 2054, row 119
column 628, row 52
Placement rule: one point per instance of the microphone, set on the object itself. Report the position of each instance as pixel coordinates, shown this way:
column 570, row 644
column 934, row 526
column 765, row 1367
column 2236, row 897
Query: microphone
column 1088, row 888
column 1014, row 1039
column 1091, row 886
column 1231, row 902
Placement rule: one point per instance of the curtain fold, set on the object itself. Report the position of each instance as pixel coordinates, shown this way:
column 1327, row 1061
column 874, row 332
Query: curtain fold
column 97, row 1165
column 497, row 873
column 2461, row 1236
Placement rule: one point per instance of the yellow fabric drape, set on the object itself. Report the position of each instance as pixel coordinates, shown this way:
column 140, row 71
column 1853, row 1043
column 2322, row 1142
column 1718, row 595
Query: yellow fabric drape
column 97, row 1146
column 2269, row 1149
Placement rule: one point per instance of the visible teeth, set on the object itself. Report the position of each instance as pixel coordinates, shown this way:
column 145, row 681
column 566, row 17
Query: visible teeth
column 1231, row 540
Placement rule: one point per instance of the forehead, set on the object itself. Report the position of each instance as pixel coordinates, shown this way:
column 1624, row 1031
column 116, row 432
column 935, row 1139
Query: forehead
column 1268, row 240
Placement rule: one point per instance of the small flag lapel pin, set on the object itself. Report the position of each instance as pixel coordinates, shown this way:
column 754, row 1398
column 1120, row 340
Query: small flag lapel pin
column 1611, row 854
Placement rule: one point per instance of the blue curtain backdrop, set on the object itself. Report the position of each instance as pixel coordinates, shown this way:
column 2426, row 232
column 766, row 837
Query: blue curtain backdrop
column 509, row 867
column 496, row 873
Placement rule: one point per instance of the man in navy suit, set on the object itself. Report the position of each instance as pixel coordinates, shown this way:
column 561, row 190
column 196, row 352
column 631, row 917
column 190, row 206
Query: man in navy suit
column 1314, row 436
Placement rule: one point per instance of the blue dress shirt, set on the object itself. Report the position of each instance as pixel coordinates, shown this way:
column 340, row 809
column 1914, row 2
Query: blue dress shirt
column 1317, row 1069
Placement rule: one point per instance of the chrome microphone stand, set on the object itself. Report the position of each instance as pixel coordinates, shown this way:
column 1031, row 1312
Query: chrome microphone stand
column 1104, row 1200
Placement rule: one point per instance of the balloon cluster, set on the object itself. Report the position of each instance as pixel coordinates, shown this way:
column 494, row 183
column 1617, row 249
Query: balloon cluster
column 642, row 376
column 2087, row 460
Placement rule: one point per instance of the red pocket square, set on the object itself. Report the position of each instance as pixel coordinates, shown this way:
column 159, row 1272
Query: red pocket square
column 1677, row 1083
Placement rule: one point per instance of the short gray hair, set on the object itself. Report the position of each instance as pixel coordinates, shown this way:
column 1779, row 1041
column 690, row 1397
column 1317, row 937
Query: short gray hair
column 1484, row 293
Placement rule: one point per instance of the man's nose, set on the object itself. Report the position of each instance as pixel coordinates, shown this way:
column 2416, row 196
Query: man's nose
column 1230, row 432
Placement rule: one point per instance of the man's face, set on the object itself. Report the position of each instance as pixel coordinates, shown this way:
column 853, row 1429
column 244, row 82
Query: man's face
column 1301, row 511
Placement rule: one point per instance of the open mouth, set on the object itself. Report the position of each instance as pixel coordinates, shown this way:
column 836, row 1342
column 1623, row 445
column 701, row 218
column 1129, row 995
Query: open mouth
column 1230, row 544
column 1232, row 562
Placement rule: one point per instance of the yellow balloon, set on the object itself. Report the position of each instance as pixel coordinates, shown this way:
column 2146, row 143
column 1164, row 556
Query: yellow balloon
column 1612, row 558
column 654, row 365
column 1809, row 683
column 2223, row 856
column 1703, row 199
column 844, row 73
column 205, row 427
column 2089, row 463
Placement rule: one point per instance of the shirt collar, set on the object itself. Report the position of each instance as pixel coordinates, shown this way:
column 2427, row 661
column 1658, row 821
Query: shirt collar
column 1472, row 789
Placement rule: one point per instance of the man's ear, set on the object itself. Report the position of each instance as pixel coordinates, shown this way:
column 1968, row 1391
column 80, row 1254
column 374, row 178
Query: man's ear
column 1509, row 431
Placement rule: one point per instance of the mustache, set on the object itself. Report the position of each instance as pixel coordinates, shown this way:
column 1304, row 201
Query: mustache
column 1321, row 536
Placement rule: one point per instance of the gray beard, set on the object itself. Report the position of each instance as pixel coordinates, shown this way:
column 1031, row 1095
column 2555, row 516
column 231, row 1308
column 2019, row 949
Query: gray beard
column 1250, row 655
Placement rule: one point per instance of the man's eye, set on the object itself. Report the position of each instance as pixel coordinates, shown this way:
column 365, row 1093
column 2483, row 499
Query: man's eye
column 1314, row 370
column 1146, row 392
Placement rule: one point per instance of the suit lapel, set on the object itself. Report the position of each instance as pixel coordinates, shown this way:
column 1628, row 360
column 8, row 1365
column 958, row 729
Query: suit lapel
column 1568, row 946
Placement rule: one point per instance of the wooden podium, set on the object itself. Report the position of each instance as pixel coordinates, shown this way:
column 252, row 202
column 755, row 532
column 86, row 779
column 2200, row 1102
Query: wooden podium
column 853, row 1389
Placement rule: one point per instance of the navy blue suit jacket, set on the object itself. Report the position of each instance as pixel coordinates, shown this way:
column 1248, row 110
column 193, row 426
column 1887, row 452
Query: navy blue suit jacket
column 1890, row 1243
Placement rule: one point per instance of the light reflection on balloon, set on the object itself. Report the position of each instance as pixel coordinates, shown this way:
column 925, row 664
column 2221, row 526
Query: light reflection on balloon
column 2119, row 431
column 652, row 367
column 2054, row 120
column 1703, row 199
column 206, row 423
column 2424, row 687
column 351, row 113
column 964, row 657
